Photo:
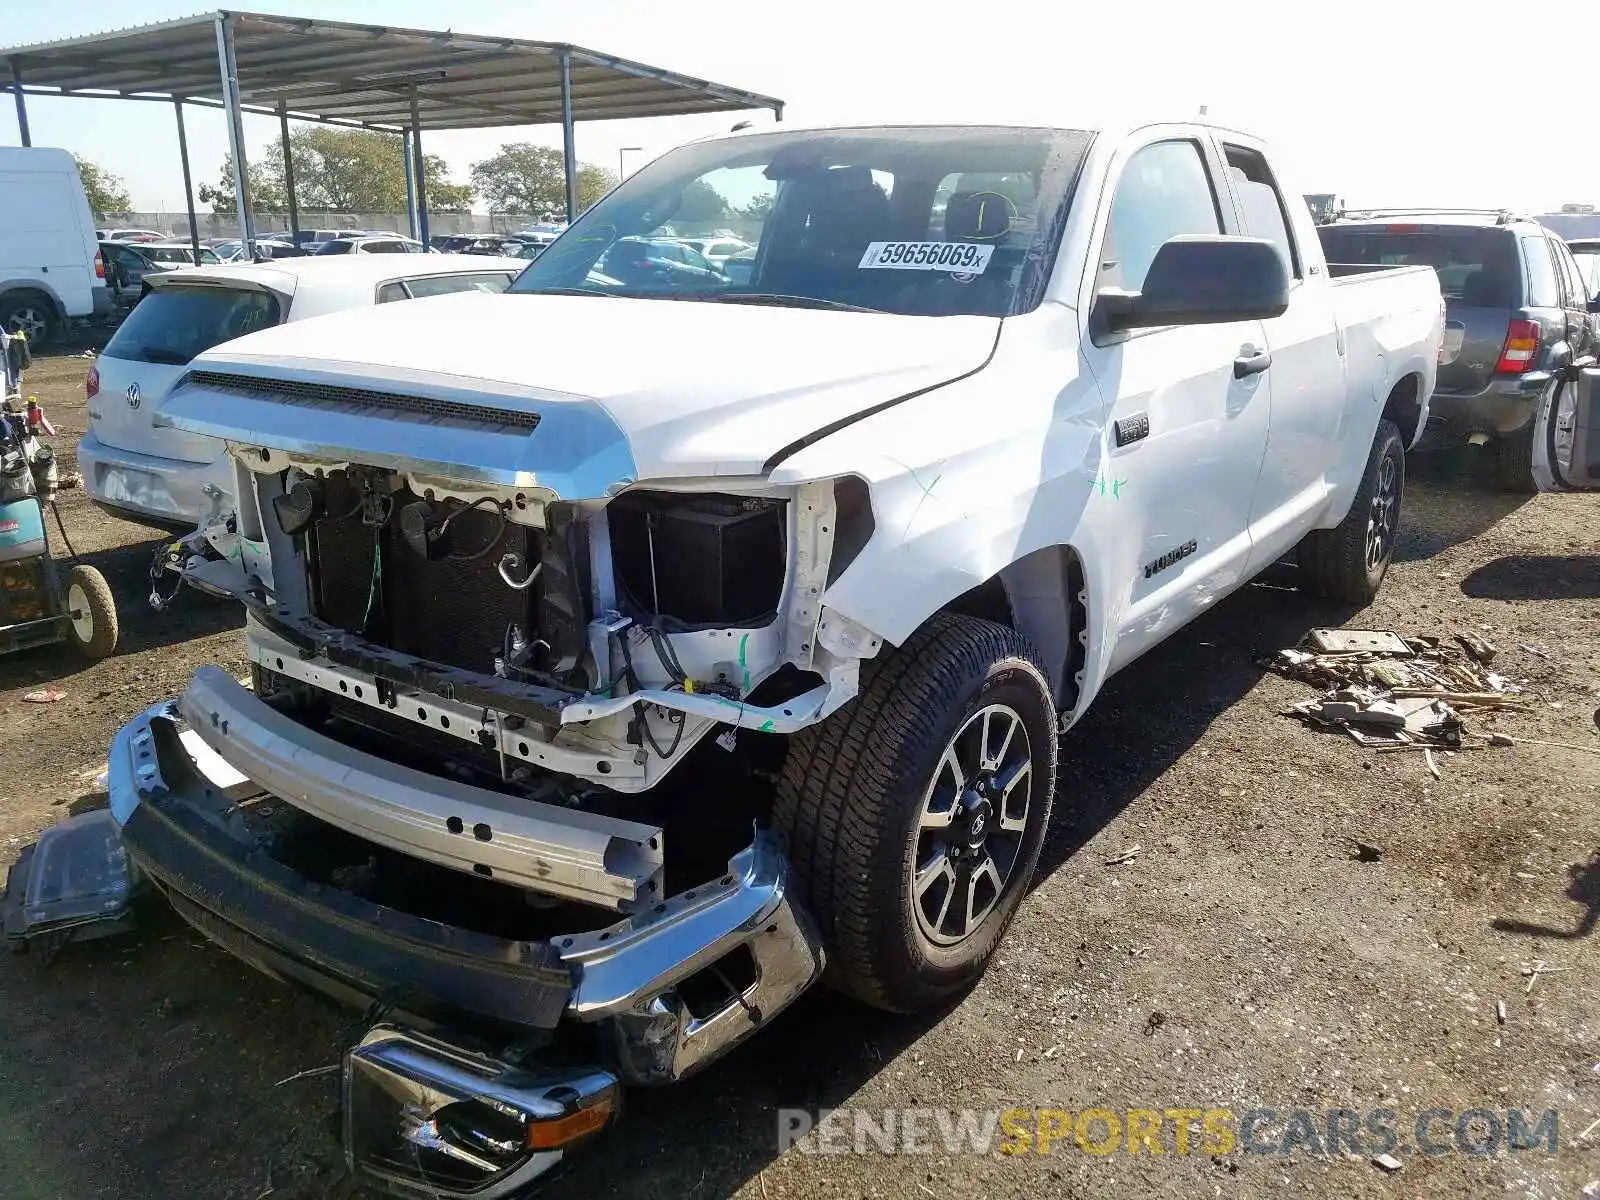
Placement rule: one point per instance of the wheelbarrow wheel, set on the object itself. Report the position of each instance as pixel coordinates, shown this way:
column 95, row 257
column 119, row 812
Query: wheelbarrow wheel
column 93, row 613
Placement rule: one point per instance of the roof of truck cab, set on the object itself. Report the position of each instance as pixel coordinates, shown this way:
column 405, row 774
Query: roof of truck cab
column 1113, row 126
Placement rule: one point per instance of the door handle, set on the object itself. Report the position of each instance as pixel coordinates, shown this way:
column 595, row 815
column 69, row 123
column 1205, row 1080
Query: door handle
column 1251, row 362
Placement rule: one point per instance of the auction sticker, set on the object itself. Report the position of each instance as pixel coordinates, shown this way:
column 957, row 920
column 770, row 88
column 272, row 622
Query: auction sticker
column 966, row 257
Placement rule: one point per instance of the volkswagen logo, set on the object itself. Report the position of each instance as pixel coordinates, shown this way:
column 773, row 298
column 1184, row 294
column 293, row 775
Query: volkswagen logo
column 133, row 395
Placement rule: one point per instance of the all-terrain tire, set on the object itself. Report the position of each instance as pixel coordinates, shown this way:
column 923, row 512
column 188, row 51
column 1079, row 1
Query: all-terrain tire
column 93, row 630
column 851, row 797
column 1513, row 462
column 1338, row 563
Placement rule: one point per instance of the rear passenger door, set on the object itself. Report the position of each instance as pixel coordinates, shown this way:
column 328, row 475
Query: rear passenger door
column 1545, row 301
column 1307, row 374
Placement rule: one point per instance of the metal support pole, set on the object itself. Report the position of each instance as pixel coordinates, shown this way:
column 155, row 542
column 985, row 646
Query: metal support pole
column 568, row 154
column 411, row 183
column 288, row 174
column 230, row 100
column 777, row 112
column 419, row 173
column 188, row 183
column 22, row 103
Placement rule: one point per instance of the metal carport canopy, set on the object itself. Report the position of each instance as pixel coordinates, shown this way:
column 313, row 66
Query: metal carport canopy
column 369, row 76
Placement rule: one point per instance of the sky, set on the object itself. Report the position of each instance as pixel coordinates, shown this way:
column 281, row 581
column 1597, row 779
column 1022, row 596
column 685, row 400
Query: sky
column 1385, row 102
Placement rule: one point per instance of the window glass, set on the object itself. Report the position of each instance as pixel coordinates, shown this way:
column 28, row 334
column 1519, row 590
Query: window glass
column 1477, row 267
column 173, row 324
column 1543, row 291
column 383, row 248
column 1576, row 290
column 443, row 285
column 391, row 291
column 889, row 218
column 1164, row 191
column 1264, row 213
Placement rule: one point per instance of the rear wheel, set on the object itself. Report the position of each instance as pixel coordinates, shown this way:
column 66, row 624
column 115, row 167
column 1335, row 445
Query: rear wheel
column 1513, row 462
column 29, row 313
column 914, row 817
column 92, row 612
column 1349, row 561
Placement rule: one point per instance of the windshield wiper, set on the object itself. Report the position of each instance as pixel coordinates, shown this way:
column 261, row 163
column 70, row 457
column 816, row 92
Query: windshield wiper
column 778, row 299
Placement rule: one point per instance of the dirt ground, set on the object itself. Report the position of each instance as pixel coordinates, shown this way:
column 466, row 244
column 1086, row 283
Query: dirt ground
column 1287, row 973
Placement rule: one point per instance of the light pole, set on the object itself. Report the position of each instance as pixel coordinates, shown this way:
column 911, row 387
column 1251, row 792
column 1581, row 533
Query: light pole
column 624, row 150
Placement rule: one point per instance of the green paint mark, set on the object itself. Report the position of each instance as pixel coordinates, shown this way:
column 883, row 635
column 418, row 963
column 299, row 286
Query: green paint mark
column 743, row 642
column 766, row 727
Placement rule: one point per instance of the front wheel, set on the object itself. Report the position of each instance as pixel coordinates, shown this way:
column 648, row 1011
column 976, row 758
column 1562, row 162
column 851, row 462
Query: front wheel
column 92, row 613
column 1349, row 561
column 914, row 816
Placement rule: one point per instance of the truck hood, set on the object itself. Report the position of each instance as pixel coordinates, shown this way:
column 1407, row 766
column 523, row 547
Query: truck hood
column 622, row 388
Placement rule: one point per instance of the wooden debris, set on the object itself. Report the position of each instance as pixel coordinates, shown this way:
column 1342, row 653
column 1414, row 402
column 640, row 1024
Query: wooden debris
column 1433, row 767
column 1500, row 1011
column 1388, row 1162
column 1537, row 969
column 1481, row 649
column 1125, row 856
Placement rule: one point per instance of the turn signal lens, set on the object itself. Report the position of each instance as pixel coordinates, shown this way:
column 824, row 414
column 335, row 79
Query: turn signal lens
column 550, row 1135
column 1522, row 345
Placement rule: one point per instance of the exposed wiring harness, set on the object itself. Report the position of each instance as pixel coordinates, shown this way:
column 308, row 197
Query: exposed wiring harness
column 499, row 511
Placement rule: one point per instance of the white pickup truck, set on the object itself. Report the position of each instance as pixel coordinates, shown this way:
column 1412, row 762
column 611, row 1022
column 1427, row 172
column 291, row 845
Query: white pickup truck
column 555, row 596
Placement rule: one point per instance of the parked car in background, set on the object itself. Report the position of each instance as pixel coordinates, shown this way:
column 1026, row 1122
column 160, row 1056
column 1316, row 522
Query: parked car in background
column 640, row 259
column 130, row 465
column 51, row 267
column 1517, row 313
column 130, row 235
column 130, row 264
column 387, row 243
column 1586, row 253
column 718, row 250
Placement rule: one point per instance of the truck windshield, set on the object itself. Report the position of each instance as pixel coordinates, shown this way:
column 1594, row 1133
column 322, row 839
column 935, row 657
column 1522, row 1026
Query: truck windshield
column 918, row 220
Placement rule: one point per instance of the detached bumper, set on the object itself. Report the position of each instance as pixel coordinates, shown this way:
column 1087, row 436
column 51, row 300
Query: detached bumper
column 670, row 987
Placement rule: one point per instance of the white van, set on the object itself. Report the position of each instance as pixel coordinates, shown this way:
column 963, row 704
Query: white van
column 50, row 264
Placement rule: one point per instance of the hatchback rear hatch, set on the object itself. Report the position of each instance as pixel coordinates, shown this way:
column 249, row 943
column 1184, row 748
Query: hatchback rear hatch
column 151, row 350
column 1480, row 274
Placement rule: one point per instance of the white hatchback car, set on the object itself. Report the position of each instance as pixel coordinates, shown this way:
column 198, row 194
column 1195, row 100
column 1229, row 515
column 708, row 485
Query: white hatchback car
column 134, row 467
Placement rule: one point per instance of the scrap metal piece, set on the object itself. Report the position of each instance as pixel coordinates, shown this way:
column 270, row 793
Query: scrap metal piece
column 75, row 880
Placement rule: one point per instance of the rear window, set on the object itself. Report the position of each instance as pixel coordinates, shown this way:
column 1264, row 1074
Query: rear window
column 443, row 285
column 1476, row 267
column 172, row 325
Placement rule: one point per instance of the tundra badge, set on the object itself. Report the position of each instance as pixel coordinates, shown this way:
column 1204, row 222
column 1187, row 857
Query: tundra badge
column 1170, row 557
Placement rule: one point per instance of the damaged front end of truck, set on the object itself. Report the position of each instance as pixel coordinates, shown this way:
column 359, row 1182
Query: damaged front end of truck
column 506, row 768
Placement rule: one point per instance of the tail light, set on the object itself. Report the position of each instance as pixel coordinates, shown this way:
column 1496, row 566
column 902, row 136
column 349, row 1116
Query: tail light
column 1522, row 345
column 99, row 265
column 91, row 385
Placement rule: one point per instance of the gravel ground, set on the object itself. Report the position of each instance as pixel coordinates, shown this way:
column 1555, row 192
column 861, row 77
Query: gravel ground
column 1287, row 974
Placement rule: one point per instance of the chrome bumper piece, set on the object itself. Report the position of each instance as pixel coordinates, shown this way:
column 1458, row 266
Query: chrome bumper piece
column 741, row 930
column 557, row 851
column 426, row 1118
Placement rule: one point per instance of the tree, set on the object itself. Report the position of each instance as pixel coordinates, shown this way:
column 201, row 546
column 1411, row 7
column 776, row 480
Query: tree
column 593, row 182
column 340, row 170
column 266, row 193
column 106, row 192
column 701, row 204
column 524, row 178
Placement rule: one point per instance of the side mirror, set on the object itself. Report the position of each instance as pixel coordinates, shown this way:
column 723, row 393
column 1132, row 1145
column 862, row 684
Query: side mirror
column 1594, row 305
column 1200, row 279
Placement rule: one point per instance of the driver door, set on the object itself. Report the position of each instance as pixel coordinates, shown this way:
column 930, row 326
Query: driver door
column 1566, row 436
